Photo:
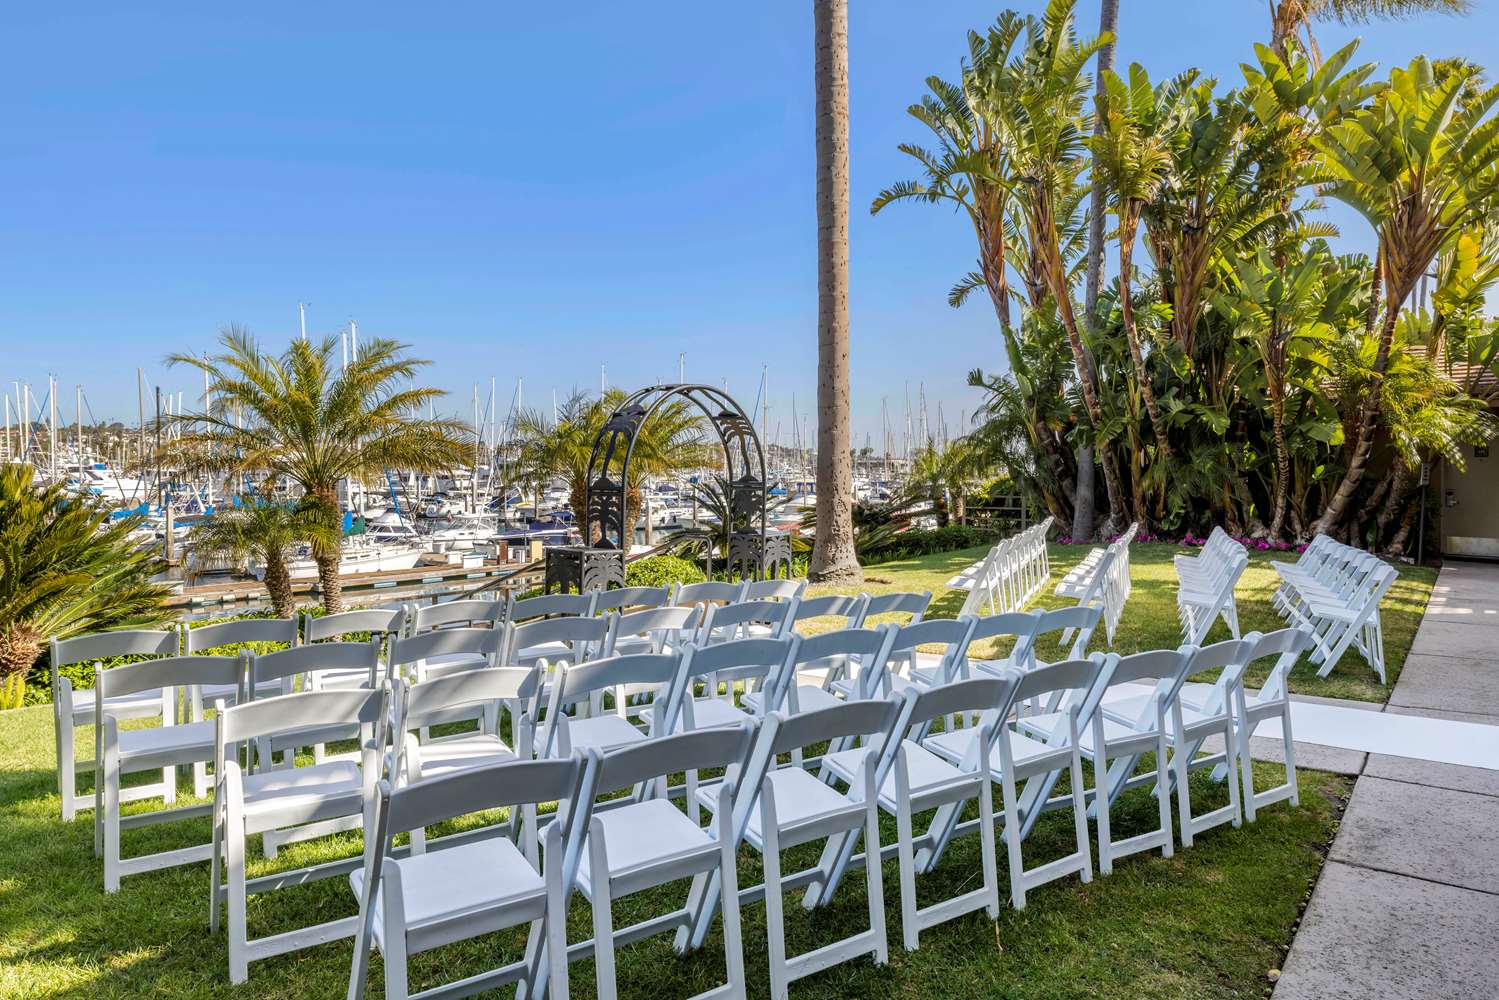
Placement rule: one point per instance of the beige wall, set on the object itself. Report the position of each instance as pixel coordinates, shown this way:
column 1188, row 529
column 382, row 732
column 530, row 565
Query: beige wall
column 1470, row 506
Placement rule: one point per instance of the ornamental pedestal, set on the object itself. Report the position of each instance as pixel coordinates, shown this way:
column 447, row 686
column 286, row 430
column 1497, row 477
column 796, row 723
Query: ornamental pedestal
column 753, row 556
column 575, row 567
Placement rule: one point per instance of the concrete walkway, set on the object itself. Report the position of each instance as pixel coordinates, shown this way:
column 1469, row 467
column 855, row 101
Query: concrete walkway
column 1408, row 904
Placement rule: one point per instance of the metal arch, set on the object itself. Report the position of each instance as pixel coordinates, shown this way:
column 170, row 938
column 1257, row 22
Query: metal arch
column 604, row 494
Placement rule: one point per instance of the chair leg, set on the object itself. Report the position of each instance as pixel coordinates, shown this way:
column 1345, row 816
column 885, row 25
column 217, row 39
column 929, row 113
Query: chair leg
column 1231, row 749
column 1183, row 794
column 1285, row 727
column 556, row 928
column 67, row 769
column 733, row 935
column 108, row 823
column 1163, row 796
column 907, row 864
column 393, row 955
column 1101, row 808
column 1012, row 839
column 239, row 961
column 603, row 916
column 214, row 865
column 1080, row 819
column 874, row 875
column 988, row 849
column 775, row 916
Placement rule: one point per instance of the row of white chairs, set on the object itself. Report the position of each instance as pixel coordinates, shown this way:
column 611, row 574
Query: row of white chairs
column 1103, row 575
column 1205, row 586
column 73, row 710
column 1013, row 572
column 1335, row 591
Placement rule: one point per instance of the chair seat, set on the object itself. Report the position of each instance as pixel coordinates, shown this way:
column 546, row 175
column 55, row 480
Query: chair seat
column 711, row 713
column 1132, row 708
column 810, row 698
column 145, row 705
column 603, row 732
column 161, row 745
column 925, row 769
column 800, row 799
column 552, row 652
column 291, row 795
column 461, row 753
column 953, row 746
column 465, row 880
column 1113, row 731
column 640, row 834
column 338, row 679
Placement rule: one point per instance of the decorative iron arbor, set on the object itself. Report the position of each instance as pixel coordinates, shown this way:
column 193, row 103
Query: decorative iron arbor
column 599, row 563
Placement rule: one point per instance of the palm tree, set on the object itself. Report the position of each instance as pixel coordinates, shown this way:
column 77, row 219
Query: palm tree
column 65, row 569
column 1421, row 165
column 1131, row 158
column 834, row 559
column 1047, row 124
column 669, row 441
column 947, row 473
column 1293, row 18
column 265, row 532
column 294, row 418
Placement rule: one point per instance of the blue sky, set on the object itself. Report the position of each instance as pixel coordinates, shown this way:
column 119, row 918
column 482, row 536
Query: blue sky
column 516, row 190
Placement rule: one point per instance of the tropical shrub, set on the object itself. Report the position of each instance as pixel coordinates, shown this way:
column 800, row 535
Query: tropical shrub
column 662, row 571
column 65, row 569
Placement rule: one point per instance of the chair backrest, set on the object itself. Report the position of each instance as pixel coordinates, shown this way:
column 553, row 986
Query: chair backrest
column 1018, row 625
column 1287, row 645
column 657, row 623
column 726, row 747
column 630, row 597
column 290, row 713
column 722, row 622
column 513, row 783
column 773, row 590
column 125, row 642
column 710, row 590
column 167, row 672
column 285, row 665
column 912, row 604
column 588, row 682
column 850, row 609
column 765, row 661
column 467, row 694
column 991, row 696
column 476, row 613
column 951, row 633
column 443, row 642
column 549, row 606
column 584, row 636
column 1228, row 658
column 863, row 652
column 376, row 621
column 239, row 631
column 1082, row 619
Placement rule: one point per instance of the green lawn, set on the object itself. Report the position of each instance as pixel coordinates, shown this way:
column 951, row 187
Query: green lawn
column 1149, row 620
column 1210, row 922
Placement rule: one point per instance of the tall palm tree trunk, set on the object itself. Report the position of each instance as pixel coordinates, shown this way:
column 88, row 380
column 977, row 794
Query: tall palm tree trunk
column 328, row 559
column 1083, row 513
column 833, row 555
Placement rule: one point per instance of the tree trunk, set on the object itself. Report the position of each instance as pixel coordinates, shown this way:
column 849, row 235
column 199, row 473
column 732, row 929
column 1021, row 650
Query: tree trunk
column 1083, row 513
column 1282, row 453
column 329, row 581
column 1126, row 262
column 1337, row 507
column 833, row 557
column 278, row 582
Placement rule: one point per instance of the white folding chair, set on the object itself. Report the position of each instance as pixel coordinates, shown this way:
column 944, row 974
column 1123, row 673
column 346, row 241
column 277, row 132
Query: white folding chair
column 245, row 804
column 1028, row 767
column 570, row 639
column 436, row 652
column 1076, row 626
column 464, row 887
column 1017, row 626
column 378, row 623
column 921, row 781
column 776, row 808
column 638, row 844
column 951, row 664
column 853, row 656
column 745, row 666
column 156, row 748
column 72, row 709
column 277, row 673
column 1189, row 727
column 1272, row 701
column 453, row 615
column 652, row 630
column 595, row 726
column 708, row 592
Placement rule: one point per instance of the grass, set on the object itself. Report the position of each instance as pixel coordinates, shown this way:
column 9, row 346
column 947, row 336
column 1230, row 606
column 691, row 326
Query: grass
column 1210, row 922
column 1149, row 620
